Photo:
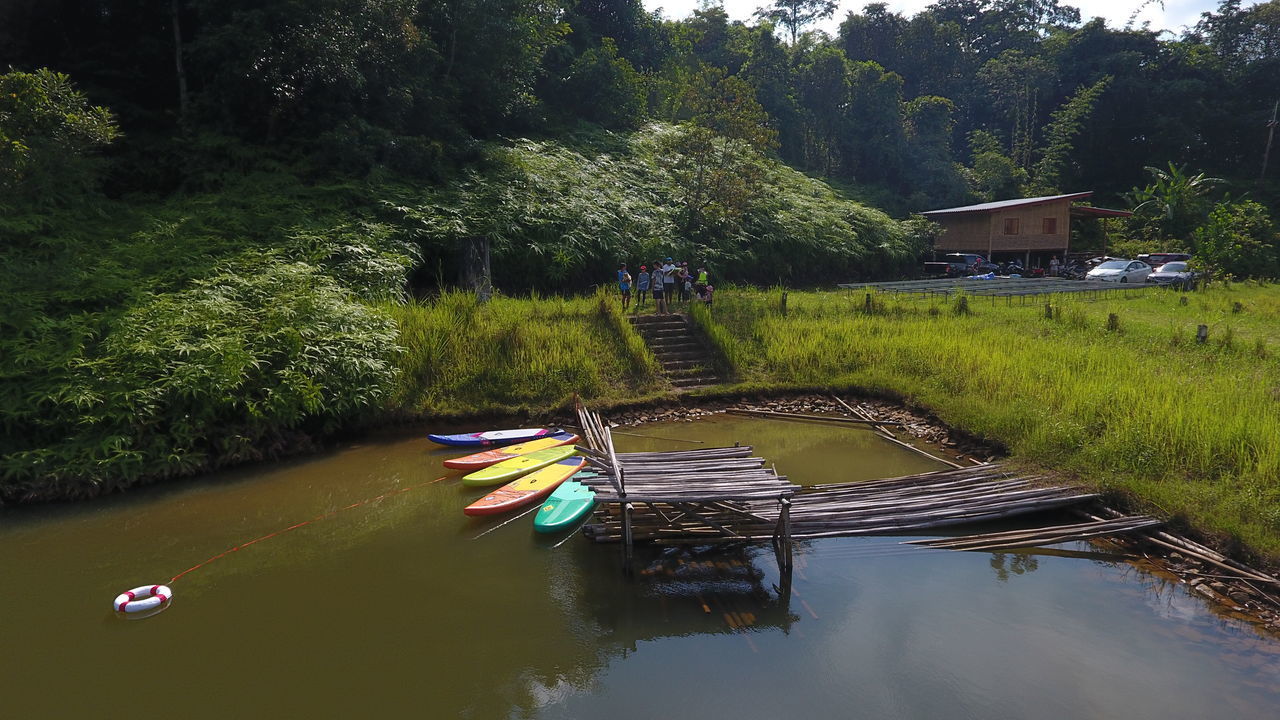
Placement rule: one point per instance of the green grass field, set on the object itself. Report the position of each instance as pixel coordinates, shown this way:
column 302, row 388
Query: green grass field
column 516, row 354
column 1193, row 429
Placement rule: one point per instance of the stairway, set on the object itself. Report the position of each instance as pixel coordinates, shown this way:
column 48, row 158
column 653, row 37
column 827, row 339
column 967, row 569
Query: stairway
column 686, row 360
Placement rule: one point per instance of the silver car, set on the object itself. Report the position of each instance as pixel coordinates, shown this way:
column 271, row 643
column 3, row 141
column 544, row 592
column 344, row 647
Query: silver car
column 1121, row 271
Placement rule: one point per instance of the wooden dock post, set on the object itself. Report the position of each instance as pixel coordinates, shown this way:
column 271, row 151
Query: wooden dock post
column 627, row 510
column 782, row 535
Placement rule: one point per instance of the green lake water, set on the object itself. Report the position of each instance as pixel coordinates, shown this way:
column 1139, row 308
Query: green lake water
column 396, row 608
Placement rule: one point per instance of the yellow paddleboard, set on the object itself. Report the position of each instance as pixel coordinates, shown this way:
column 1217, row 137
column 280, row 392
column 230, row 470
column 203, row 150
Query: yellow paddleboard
column 528, row 489
column 508, row 470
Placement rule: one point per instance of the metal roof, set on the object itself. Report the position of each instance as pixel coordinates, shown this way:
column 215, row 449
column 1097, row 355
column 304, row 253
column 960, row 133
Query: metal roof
column 1088, row 211
column 1002, row 204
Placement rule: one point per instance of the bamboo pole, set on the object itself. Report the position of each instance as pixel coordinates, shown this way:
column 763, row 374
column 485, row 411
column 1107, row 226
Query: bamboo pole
column 801, row 416
column 890, row 437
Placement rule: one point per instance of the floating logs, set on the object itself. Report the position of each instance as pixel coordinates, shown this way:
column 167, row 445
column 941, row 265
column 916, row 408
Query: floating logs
column 669, row 508
column 882, row 432
column 1036, row 537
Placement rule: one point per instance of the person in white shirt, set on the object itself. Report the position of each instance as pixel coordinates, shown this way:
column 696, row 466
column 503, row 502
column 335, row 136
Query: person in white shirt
column 669, row 279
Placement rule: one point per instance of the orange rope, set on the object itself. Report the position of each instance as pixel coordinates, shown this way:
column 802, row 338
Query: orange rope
column 295, row 526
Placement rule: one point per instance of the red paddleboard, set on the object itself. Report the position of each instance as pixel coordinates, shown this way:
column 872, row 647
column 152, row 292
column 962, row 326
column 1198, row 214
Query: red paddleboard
column 481, row 460
column 528, row 489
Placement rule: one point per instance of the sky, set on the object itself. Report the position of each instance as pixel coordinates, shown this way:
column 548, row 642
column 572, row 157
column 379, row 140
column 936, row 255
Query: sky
column 1173, row 15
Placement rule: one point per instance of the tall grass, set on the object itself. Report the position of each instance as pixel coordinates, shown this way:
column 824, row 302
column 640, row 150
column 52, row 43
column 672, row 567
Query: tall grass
column 643, row 362
column 1190, row 428
column 731, row 353
column 464, row 356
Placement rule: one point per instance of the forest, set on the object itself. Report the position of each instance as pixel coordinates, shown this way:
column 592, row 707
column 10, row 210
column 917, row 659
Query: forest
column 217, row 215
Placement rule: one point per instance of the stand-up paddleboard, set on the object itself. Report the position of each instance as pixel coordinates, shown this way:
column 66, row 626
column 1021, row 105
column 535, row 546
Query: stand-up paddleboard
column 565, row 507
column 513, row 468
column 528, row 489
column 493, row 457
column 491, row 437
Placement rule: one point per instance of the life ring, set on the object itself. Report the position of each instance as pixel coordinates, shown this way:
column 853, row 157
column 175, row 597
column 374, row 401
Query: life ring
column 141, row 599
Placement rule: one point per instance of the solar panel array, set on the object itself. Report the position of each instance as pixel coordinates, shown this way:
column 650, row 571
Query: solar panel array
column 997, row 287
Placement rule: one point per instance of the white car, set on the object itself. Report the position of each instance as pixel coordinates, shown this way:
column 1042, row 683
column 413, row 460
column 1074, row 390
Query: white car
column 1122, row 271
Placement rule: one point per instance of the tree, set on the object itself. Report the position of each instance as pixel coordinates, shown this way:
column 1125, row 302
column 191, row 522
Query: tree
column 874, row 149
column 718, row 154
column 769, row 71
column 1015, row 82
column 605, row 88
column 931, row 172
column 874, row 35
column 823, row 83
column 1177, row 202
column 1060, row 134
column 795, row 14
column 993, row 175
column 1239, row 239
column 48, row 134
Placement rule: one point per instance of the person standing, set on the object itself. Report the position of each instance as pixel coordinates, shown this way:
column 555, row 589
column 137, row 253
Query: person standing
column 669, row 280
column 642, row 286
column 685, row 281
column 657, row 281
column 624, row 284
column 700, row 282
column 1054, row 266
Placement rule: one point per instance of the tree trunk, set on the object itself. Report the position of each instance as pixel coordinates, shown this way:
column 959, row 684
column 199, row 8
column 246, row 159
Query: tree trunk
column 177, row 61
column 476, row 276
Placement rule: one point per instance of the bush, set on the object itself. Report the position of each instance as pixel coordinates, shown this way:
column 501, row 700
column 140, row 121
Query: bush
column 1240, row 240
column 198, row 378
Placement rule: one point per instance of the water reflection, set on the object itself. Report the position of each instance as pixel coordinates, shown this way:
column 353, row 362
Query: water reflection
column 1016, row 563
column 401, row 607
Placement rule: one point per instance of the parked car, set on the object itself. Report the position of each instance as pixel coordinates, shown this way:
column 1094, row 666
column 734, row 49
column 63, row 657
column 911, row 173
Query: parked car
column 1155, row 260
column 1176, row 274
column 959, row 265
column 1121, row 271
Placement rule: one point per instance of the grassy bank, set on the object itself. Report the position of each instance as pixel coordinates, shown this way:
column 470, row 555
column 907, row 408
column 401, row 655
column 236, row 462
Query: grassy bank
column 516, row 354
column 1190, row 428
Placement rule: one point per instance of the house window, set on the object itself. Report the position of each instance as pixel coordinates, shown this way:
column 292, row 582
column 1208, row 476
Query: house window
column 1050, row 226
column 1011, row 226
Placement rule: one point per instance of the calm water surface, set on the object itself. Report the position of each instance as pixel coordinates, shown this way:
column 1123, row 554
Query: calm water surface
column 397, row 607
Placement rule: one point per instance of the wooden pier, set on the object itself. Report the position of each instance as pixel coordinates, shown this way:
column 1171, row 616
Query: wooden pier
column 727, row 495
column 682, row 495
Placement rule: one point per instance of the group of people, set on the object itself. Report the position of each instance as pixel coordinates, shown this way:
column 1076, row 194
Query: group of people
column 669, row 281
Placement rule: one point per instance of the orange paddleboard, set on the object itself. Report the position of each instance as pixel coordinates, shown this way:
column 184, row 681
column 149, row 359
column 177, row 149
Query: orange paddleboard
column 528, row 489
column 484, row 459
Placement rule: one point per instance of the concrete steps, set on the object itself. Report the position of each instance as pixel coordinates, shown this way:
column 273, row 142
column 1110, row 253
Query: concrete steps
column 687, row 362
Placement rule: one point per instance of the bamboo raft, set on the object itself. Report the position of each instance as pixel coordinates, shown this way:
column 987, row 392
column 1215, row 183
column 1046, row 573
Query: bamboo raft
column 877, row 507
column 726, row 495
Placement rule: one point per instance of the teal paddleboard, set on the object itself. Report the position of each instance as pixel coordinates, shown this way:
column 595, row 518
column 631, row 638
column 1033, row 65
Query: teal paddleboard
column 566, row 506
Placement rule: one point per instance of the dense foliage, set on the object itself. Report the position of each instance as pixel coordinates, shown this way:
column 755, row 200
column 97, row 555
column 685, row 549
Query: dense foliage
column 215, row 214
column 561, row 217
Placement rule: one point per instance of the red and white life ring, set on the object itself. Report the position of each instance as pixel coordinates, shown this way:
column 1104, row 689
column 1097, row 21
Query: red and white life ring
column 140, row 599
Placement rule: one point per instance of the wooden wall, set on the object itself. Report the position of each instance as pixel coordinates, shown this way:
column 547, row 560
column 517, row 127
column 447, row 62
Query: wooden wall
column 983, row 232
